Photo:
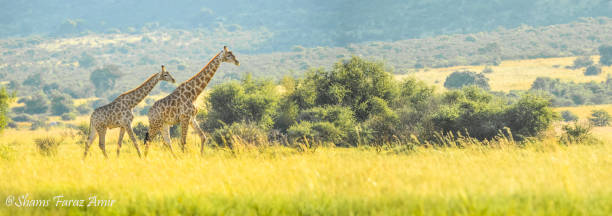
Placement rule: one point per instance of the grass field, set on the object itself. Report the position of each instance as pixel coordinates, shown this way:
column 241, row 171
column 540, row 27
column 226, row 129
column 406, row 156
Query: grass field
column 515, row 74
column 543, row 178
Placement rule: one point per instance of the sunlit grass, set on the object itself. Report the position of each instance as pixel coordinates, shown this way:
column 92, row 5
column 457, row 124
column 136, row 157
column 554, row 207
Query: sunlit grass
column 543, row 178
column 516, row 74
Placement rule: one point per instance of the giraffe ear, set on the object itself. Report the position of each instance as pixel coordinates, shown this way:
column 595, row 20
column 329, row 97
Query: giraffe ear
column 225, row 48
column 163, row 68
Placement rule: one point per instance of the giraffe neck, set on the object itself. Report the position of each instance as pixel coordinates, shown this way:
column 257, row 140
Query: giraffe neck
column 198, row 82
column 135, row 96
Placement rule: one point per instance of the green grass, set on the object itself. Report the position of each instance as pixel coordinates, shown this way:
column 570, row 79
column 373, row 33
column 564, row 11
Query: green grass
column 542, row 178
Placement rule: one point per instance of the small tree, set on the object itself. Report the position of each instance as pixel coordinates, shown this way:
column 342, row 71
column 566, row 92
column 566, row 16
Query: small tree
column 568, row 116
column 584, row 61
column 61, row 103
column 5, row 100
column 600, row 118
column 592, row 70
column 105, row 78
column 458, row 79
column 605, row 52
column 36, row 104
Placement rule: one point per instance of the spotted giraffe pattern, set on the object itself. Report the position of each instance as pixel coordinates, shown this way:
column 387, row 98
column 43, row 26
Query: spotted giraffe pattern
column 118, row 113
column 178, row 106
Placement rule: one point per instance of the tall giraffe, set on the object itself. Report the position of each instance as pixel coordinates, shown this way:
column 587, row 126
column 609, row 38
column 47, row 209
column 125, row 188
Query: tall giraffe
column 119, row 113
column 178, row 106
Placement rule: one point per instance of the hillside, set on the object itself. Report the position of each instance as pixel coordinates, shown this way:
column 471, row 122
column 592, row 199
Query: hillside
column 69, row 61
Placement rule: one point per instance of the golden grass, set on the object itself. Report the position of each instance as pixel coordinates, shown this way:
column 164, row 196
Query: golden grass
column 543, row 178
column 584, row 112
column 515, row 74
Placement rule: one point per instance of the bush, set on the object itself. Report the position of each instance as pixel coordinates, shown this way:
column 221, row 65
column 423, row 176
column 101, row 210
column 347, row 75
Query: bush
column 582, row 62
column 48, row 146
column 487, row 70
column 606, row 55
column 69, row 116
column 105, row 78
column 61, row 103
column 459, row 79
column 84, row 109
column 5, row 99
column 577, row 134
column 240, row 134
column 592, row 70
column 529, row 116
column 600, row 118
column 140, row 130
column 568, row 116
column 36, row 104
column 39, row 122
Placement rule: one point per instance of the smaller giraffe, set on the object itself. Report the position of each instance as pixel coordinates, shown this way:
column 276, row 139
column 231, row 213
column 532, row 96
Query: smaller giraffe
column 119, row 113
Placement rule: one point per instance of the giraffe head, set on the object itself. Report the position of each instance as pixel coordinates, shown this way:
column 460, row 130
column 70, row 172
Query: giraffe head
column 228, row 56
column 165, row 75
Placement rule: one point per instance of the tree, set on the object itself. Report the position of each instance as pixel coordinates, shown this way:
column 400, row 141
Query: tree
column 581, row 62
column 5, row 99
column 605, row 52
column 592, row 70
column 86, row 60
column 458, row 79
column 36, row 104
column 34, row 80
column 105, row 78
column 568, row 116
column 61, row 103
column 600, row 118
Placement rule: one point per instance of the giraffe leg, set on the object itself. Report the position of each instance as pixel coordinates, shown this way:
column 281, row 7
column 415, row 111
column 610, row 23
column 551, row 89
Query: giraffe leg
column 121, row 133
column 184, row 129
column 149, row 137
column 166, row 134
column 102, row 141
column 134, row 141
column 197, row 128
column 92, row 136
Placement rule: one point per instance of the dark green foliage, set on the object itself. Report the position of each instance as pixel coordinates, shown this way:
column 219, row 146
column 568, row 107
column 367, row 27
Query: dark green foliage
column 577, row 134
column 34, row 80
column 568, row 116
column 5, row 99
column 592, row 70
column 84, row 109
column 48, row 146
column 22, row 118
column 572, row 94
column 605, row 52
column 61, row 103
column 248, row 101
column 69, row 116
column 459, row 79
column 333, row 124
column 582, row 62
column 39, row 122
column 240, row 133
column 529, row 116
column 105, row 78
column 600, row 118
column 140, row 129
column 487, row 70
column 86, row 60
column 36, row 104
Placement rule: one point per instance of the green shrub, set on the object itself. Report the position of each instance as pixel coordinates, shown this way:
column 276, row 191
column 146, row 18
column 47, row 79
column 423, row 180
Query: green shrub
column 529, row 116
column 592, row 70
column 568, row 116
column 48, row 146
column 84, row 109
column 61, row 103
column 5, row 99
column 36, row 104
column 69, row 116
column 582, row 62
column 240, row 134
column 140, row 130
column 600, row 118
column 577, row 134
column 605, row 52
column 459, row 79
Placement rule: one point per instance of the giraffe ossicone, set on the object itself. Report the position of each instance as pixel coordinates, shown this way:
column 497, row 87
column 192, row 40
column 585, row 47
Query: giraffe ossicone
column 118, row 113
column 178, row 106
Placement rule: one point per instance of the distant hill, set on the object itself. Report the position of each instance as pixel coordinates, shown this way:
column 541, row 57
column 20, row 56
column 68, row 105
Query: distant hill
column 290, row 23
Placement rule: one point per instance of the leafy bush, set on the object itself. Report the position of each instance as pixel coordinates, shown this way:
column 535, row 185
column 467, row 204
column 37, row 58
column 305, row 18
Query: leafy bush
column 577, row 134
column 568, row 116
column 459, row 79
column 487, row 70
column 105, row 78
column 600, row 118
column 84, row 109
column 5, row 99
column 36, row 104
column 240, row 134
column 140, row 130
column 48, row 146
column 69, row 116
column 605, row 52
column 592, row 70
column 582, row 62
column 61, row 103
column 571, row 94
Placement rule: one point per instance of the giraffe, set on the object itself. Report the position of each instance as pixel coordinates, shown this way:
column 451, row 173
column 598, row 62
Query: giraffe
column 178, row 106
column 118, row 113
